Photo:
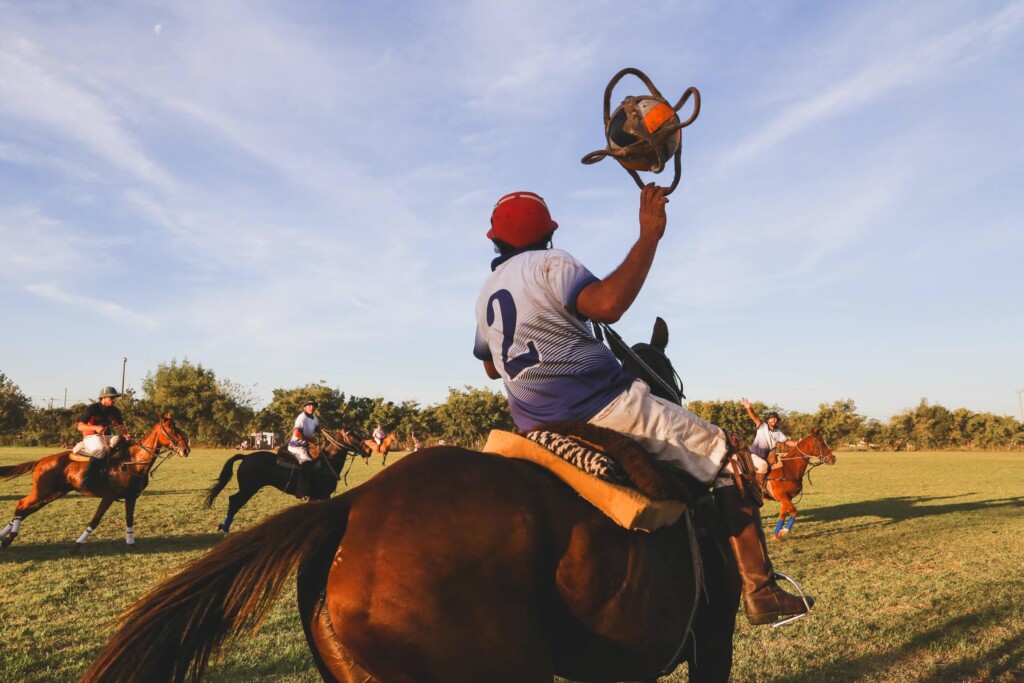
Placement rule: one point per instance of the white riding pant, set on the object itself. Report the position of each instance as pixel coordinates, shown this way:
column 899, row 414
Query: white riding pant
column 301, row 453
column 669, row 432
column 96, row 445
column 760, row 463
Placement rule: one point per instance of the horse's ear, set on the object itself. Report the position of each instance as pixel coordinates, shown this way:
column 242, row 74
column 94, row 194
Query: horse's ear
column 168, row 415
column 659, row 337
column 815, row 431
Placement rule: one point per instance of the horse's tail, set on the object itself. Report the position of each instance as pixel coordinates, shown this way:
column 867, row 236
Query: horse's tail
column 171, row 633
column 222, row 480
column 12, row 471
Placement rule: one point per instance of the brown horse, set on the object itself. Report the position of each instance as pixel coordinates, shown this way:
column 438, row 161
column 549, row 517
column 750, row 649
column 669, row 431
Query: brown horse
column 786, row 482
column 261, row 469
column 370, row 447
column 57, row 475
column 455, row 566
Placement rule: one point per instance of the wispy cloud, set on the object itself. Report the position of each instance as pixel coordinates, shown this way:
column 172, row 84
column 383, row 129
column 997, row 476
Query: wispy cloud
column 37, row 96
column 95, row 306
column 891, row 68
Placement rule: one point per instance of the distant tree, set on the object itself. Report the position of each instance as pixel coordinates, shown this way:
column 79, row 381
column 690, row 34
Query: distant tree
column 211, row 412
column 731, row 416
column 838, row 421
column 871, row 431
column 469, row 414
column 52, row 427
column 15, row 408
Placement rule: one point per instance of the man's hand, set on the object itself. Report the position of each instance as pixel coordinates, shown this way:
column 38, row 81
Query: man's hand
column 746, row 403
column 652, row 211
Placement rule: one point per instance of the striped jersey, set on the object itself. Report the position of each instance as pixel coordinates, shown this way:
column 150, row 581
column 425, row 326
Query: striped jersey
column 527, row 324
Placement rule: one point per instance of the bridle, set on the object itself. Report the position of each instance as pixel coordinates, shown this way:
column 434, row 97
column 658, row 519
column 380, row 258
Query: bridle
column 176, row 442
column 812, row 459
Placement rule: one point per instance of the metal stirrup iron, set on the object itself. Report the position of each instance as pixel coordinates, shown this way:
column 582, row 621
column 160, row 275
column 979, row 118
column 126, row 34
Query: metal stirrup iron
column 783, row 622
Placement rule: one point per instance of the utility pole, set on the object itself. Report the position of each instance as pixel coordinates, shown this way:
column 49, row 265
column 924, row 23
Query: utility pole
column 65, row 398
column 1020, row 403
column 123, row 364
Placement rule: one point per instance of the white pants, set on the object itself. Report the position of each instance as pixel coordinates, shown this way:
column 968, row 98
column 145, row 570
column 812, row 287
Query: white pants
column 96, row 445
column 670, row 432
column 301, row 453
column 760, row 463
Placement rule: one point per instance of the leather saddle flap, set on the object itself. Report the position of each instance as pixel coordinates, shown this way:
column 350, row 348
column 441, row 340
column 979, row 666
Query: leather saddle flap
column 625, row 506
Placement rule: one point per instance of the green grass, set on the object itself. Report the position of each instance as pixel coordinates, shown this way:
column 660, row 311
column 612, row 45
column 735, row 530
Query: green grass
column 915, row 560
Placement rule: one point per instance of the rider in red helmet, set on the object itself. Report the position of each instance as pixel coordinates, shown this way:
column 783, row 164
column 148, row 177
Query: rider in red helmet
column 534, row 332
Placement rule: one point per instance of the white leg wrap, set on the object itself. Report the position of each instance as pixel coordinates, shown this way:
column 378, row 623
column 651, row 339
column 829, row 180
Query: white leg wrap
column 6, row 530
column 85, row 535
column 15, row 524
column 129, row 535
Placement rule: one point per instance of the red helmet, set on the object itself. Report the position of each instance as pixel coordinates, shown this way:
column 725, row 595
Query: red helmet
column 521, row 219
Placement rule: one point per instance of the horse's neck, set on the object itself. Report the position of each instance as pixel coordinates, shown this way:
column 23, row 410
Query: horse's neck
column 797, row 456
column 144, row 451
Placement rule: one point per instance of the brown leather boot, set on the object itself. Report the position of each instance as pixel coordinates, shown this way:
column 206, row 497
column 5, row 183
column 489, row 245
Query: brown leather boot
column 763, row 600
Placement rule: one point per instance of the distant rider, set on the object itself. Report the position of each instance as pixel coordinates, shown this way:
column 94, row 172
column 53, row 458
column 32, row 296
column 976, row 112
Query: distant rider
column 305, row 429
column 378, row 436
column 95, row 424
column 766, row 438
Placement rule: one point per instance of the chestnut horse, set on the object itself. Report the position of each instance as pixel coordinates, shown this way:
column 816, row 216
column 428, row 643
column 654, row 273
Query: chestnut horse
column 261, row 469
column 456, row 566
column 370, row 447
column 57, row 475
column 786, row 482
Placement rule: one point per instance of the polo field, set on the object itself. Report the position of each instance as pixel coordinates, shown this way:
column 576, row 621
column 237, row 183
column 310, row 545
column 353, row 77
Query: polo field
column 913, row 558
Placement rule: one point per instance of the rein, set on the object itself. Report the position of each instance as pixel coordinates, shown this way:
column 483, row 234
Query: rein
column 612, row 334
column 812, row 459
column 158, row 457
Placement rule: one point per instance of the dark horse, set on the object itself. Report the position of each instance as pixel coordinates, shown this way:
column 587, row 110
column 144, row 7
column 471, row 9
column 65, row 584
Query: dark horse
column 786, row 482
column 451, row 565
column 57, row 475
column 261, row 469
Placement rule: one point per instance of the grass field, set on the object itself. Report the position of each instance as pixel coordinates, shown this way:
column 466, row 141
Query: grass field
column 915, row 560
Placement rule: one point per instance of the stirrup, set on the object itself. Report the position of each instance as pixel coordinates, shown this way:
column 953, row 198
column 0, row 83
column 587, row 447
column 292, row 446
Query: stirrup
column 782, row 622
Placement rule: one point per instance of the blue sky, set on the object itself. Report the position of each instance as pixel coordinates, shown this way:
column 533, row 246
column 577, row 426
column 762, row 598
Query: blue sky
column 290, row 193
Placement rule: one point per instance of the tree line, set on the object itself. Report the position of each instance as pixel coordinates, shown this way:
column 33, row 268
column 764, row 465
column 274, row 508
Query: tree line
column 220, row 413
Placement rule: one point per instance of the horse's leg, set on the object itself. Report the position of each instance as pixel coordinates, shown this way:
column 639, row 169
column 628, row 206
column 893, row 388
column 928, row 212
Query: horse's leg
column 105, row 504
column 786, row 509
column 235, row 503
column 129, row 521
column 22, row 509
column 709, row 654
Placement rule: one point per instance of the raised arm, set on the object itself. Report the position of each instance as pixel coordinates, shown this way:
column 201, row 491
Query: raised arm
column 607, row 300
column 750, row 412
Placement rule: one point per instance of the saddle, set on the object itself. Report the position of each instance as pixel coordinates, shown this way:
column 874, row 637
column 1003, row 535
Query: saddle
column 608, row 469
column 118, row 452
column 286, row 458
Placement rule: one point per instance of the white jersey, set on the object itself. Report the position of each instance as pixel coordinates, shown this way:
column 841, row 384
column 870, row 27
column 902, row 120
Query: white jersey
column 766, row 439
column 307, row 426
column 527, row 325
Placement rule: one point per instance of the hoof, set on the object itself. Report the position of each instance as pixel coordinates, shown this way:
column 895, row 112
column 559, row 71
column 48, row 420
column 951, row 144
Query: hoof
column 8, row 539
column 131, row 547
column 76, row 550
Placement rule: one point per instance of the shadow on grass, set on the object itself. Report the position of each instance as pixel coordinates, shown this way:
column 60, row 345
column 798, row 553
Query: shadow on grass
column 902, row 508
column 1004, row 661
column 19, row 553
